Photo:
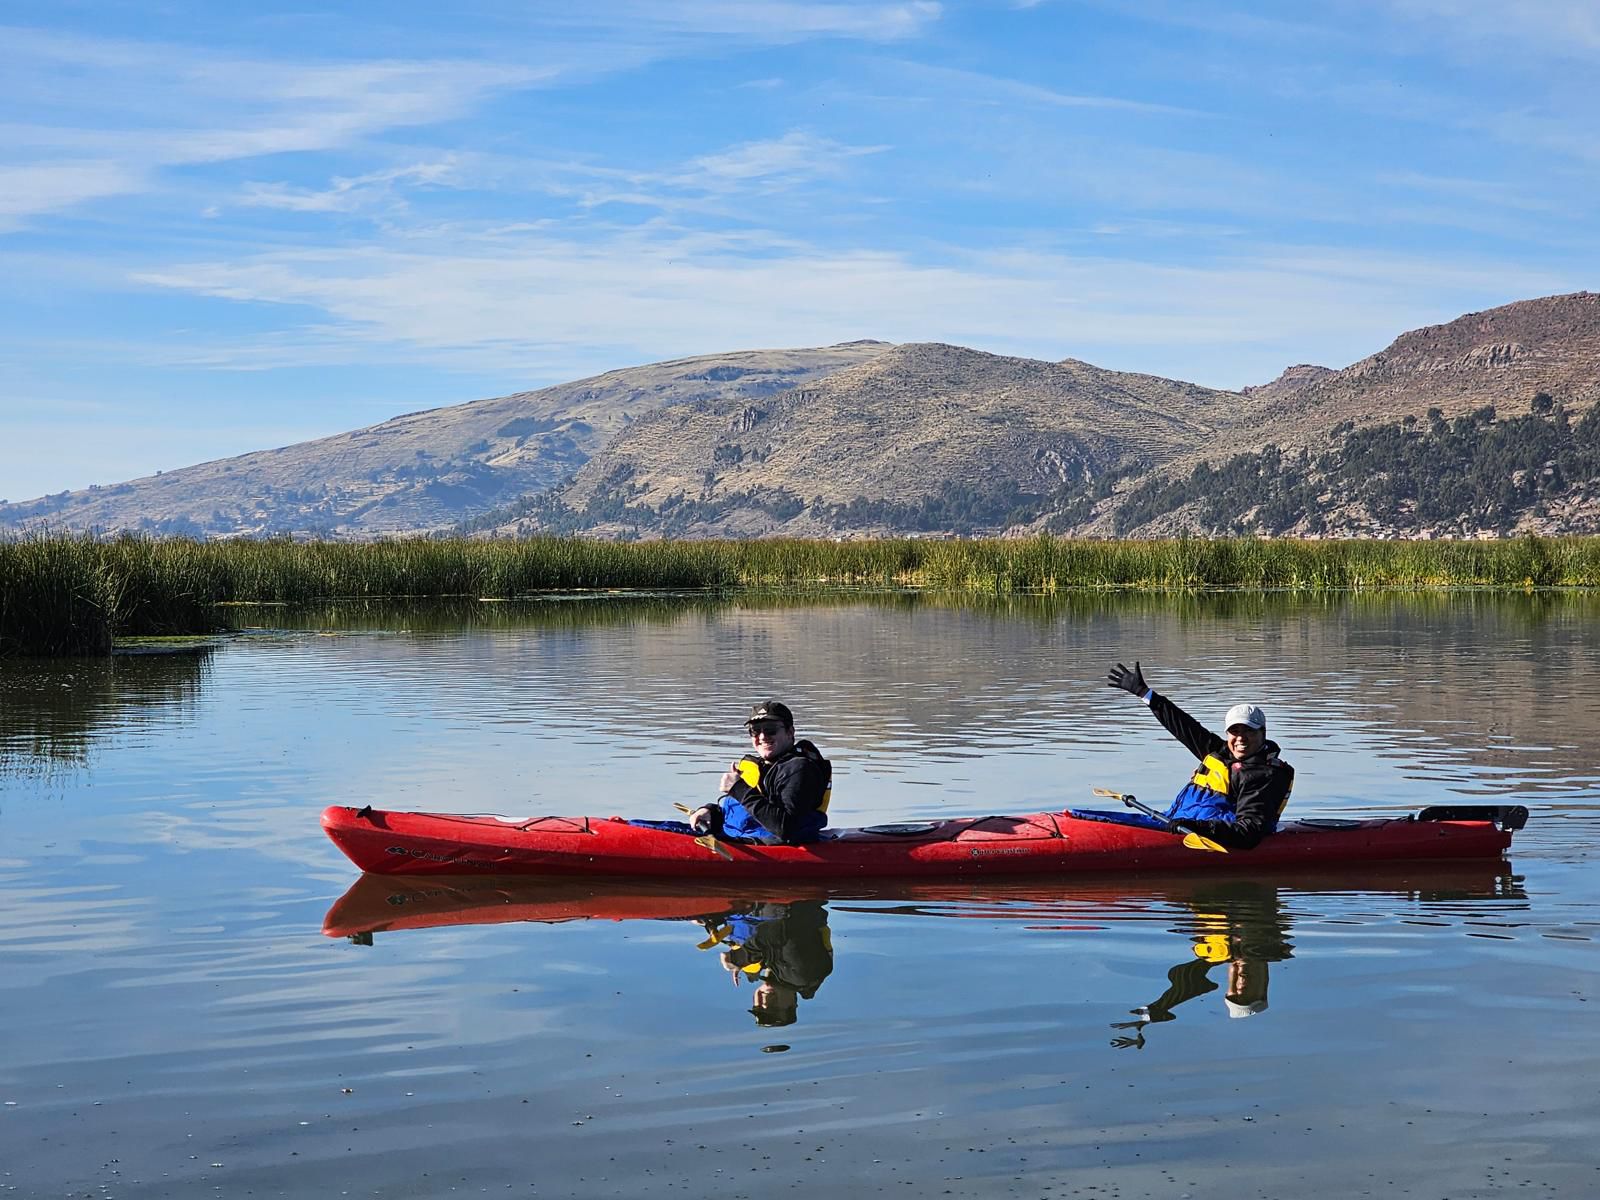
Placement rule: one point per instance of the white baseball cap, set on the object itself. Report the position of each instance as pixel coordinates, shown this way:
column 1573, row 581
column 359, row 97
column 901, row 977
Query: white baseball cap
column 1246, row 714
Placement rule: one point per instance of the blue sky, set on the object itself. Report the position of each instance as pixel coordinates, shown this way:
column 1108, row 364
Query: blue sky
column 227, row 227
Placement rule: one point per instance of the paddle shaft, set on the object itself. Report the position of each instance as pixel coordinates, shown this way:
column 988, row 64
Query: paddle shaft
column 1201, row 842
column 708, row 840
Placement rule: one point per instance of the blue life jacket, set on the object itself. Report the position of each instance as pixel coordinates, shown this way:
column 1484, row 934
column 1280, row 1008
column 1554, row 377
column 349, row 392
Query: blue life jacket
column 742, row 927
column 739, row 822
column 1205, row 796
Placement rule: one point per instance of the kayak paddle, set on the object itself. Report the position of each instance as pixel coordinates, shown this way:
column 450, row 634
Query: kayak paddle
column 1191, row 839
column 705, row 839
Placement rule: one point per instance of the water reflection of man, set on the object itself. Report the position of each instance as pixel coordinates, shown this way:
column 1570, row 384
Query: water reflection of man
column 1238, row 922
column 785, row 948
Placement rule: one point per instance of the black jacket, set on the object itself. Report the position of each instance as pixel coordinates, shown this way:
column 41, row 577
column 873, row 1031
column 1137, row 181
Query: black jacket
column 791, row 944
column 793, row 786
column 1258, row 785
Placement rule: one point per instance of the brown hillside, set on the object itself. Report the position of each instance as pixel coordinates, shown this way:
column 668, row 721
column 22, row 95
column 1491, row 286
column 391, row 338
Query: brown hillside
column 899, row 427
column 1294, row 380
column 1502, row 356
column 427, row 470
column 1039, row 441
column 927, row 438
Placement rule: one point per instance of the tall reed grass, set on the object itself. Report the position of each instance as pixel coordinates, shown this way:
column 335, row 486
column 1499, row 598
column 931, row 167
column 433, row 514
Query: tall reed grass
column 73, row 595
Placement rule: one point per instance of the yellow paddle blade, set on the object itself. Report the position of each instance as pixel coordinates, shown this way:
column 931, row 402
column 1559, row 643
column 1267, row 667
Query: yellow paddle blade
column 751, row 969
column 683, row 808
column 750, row 772
column 1195, row 842
column 1107, row 792
column 711, row 844
column 717, row 935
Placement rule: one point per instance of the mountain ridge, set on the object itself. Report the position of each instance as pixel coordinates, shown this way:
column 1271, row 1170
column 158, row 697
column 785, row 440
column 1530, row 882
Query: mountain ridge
column 870, row 437
column 419, row 472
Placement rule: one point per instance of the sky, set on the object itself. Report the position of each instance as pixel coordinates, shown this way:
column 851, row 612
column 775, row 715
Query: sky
column 228, row 227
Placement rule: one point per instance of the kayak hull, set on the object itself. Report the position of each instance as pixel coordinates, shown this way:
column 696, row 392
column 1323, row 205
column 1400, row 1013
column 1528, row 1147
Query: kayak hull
column 412, row 843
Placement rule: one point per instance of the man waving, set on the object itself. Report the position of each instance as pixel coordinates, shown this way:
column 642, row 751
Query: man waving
column 1241, row 786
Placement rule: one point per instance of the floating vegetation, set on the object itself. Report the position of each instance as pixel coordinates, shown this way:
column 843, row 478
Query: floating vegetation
column 74, row 595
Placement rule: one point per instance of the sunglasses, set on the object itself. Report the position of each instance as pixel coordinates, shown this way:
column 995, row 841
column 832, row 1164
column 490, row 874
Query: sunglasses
column 765, row 728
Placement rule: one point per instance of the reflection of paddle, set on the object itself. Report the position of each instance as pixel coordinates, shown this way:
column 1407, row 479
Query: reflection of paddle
column 707, row 840
column 714, row 937
column 1191, row 839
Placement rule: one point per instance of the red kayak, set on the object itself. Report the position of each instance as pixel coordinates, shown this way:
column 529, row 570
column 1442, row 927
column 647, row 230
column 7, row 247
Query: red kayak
column 407, row 843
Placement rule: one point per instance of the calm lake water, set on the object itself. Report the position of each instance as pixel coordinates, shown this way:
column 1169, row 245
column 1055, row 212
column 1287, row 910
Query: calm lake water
column 175, row 1021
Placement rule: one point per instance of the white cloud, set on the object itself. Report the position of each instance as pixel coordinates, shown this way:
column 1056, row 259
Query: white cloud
column 564, row 309
column 1230, row 21
column 146, row 107
column 1553, row 28
column 709, row 185
column 109, row 116
column 288, row 108
column 1557, row 135
column 956, row 85
column 779, row 20
column 794, row 155
column 348, row 194
column 44, row 186
column 1491, row 193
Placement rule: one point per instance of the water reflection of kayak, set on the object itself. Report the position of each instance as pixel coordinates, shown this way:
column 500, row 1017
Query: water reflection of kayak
column 407, row 843
column 384, row 903
column 379, row 903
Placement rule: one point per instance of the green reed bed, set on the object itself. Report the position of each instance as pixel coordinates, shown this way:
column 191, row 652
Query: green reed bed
column 74, row 594
column 885, row 562
column 56, row 597
column 1256, row 563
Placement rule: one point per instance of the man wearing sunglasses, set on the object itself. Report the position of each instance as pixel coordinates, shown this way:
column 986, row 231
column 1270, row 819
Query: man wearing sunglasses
column 779, row 793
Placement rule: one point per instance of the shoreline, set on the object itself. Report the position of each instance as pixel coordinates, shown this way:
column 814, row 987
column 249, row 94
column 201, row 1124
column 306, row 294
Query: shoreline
column 72, row 595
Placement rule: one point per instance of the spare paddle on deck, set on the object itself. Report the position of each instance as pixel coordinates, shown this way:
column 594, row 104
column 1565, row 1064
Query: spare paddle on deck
column 1191, row 839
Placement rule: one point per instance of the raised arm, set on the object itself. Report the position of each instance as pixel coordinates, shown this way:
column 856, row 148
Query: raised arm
column 1199, row 740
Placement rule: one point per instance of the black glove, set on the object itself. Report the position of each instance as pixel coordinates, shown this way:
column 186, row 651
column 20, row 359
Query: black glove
column 706, row 819
column 1131, row 682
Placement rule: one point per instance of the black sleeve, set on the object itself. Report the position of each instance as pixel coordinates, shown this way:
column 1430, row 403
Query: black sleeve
column 1187, row 980
column 1255, row 809
column 1199, row 740
column 794, row 789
